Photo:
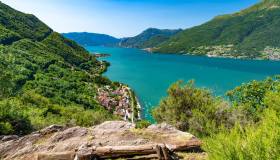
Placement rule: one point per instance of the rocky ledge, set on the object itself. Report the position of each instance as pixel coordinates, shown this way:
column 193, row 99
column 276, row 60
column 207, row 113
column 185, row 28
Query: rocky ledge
column 109, row 140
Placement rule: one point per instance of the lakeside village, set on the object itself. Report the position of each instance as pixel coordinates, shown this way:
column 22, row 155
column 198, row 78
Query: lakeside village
column 121, row 101
column 226, row 51
column 118, row 98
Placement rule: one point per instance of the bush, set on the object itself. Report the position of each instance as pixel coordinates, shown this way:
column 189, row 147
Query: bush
column 12, row 121
column 191, row 109
column 259, row 141
column 6, row 128
column 142, row 124
column 253, row 96
column 253, row 93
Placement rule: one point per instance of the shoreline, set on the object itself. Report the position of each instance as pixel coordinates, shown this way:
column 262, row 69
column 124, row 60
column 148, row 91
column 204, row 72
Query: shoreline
column 120, row 98
column 150, row 50
column 136, row 106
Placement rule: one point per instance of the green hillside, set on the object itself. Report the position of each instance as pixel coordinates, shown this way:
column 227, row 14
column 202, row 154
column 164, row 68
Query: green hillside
column 45, row 78
column 148, row 38
column 250, row 33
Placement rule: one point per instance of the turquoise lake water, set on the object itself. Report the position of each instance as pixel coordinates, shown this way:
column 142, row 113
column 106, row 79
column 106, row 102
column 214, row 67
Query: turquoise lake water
column 149, row 75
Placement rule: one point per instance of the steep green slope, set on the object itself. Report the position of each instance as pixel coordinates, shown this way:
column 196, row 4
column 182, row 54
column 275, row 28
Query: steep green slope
column 148, row 38
column 45, row 78
column 251, row 33
column 92, row 39
column 26, row 25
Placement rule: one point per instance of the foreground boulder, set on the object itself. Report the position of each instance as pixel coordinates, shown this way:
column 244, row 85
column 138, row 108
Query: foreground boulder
column 112, row 139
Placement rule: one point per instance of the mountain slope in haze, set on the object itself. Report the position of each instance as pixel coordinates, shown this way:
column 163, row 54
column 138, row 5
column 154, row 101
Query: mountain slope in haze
column 148, row 38
column 45, row 78
column 92, row 39
column 250, row 33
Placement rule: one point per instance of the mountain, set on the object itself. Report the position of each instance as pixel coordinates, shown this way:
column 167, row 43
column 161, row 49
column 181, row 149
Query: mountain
column 250, row 33
column 47, row 79
column 92, row 39
column 148, row 38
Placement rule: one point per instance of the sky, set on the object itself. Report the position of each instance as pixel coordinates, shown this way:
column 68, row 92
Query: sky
column 125, row 18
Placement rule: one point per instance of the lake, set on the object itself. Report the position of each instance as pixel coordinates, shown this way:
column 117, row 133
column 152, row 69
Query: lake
column 149, row 75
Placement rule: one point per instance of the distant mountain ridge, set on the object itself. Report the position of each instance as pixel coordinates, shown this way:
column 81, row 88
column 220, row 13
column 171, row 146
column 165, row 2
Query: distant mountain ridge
column 151, row 37
column 251, row 33
column 92, row 39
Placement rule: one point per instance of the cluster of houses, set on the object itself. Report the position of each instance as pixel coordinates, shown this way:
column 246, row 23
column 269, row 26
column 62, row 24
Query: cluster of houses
column 116, row 100
column 273, row 53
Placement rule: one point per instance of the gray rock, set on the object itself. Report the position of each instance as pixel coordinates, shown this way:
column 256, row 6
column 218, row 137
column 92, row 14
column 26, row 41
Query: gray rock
column 50, row 129
column 9, row 138
column 58, row 142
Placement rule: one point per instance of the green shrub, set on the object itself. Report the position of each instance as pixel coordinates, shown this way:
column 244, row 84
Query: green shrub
column 7, row 37
column 192, row 109
column 258, row 142
column 142, row 124
column 6, row 85
column 253, row 93
column 12, row 120
column 6, row 128
column 252, row 96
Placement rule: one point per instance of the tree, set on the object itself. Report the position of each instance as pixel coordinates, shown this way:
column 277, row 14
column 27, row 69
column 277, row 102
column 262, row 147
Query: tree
column 6, row 83
column 253, row 96
column 191, row 109
column 12, row 120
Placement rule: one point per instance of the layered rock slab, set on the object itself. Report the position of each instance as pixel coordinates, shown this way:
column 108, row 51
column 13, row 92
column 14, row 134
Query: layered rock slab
column 111, row 139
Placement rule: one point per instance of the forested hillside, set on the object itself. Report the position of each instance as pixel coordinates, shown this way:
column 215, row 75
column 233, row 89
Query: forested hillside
column 250, row 33
column 148, row 38
column 45, row 78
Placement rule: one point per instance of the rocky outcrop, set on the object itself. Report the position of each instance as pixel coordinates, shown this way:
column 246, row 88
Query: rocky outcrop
column 112, row 139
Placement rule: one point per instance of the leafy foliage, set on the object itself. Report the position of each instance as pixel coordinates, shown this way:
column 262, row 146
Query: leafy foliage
column 246, row 128
column 260, row 141
column 142, row 124
column 192, row 109
column 7, row 36
column 12, row 121
column 253, row 96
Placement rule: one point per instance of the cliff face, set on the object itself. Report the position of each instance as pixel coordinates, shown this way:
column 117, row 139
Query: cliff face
column 112, row 139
